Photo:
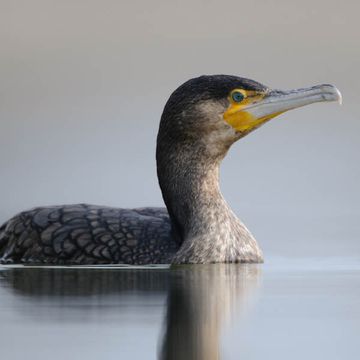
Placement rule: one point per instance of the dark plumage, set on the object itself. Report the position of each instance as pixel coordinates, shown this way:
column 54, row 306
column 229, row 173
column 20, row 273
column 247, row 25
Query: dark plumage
column 200, row 121
column 88, row 234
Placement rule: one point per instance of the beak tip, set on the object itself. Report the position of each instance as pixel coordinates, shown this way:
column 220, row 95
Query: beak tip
column 339, row 99
column 334, row 92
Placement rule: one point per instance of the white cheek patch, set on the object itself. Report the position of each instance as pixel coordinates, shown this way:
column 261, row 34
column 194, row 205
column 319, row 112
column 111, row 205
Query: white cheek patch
column 217, row 134
column 211, row 110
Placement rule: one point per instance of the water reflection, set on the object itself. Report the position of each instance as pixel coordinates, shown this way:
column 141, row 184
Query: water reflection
column 198, row 301
column 47, row 282
column 201, row 299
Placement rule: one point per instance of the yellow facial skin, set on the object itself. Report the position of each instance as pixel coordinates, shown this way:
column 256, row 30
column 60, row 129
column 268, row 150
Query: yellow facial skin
column 237, row 116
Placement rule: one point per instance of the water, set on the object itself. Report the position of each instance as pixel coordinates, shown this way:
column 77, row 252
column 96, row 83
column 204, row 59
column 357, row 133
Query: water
column 285, row 309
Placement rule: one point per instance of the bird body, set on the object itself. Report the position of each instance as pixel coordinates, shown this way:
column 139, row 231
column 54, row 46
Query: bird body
column 200, row 121
column 88, row 234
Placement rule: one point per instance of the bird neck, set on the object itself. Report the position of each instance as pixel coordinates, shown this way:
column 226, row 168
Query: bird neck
column 203, row 223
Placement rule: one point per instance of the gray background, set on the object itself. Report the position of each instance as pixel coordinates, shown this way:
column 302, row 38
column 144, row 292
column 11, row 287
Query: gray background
column 83, row 83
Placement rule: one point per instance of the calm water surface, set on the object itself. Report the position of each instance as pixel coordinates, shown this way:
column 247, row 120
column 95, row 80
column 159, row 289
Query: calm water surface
column 285, row 309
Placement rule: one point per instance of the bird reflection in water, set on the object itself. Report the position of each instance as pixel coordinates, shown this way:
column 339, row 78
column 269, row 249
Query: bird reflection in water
column 201, row 299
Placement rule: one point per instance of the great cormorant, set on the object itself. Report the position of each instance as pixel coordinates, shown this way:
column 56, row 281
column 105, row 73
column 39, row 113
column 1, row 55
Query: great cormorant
column 200, row 121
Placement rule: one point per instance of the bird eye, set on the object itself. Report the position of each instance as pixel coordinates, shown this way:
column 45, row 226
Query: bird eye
column 237, row 96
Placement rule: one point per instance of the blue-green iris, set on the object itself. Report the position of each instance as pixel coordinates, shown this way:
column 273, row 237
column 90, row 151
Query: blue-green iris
column 237, row 96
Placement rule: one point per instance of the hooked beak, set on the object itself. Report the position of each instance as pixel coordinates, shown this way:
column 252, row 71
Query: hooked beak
column 277, row 101
column 263, row 107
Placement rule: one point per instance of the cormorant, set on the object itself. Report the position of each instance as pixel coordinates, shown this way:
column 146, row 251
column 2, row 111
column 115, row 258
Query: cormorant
column 201, row 120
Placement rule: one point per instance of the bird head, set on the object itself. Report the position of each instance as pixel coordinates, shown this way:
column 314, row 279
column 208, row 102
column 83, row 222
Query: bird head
column 215, row 111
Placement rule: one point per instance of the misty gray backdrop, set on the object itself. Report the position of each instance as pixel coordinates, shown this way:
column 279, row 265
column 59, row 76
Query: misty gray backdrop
column 83, row 84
